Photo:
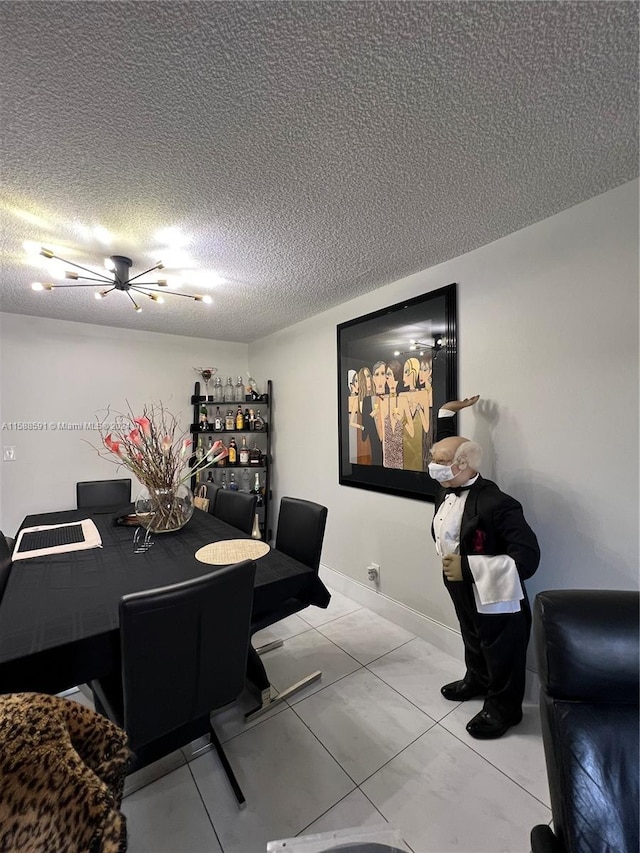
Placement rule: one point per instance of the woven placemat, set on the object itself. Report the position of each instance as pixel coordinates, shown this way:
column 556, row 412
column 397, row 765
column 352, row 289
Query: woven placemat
column 231, row 551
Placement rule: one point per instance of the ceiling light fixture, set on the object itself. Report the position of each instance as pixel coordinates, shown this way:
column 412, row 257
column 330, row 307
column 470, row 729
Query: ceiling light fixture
column 419, row 347
column 120, row 280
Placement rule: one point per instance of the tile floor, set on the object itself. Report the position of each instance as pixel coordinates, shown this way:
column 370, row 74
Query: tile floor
column 372, row 743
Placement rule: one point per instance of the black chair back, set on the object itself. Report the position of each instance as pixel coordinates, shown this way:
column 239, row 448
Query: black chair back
column 5, row 563
column 236, row 508
column 96, row 493
column 184, row 650
column 588, row 648
column 300, row 533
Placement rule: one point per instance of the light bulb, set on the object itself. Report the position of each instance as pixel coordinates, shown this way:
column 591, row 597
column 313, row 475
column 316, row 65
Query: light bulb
column 109, row 265
column 71, row 274
column 397, row 352
column 206, row 298
column 37, row 285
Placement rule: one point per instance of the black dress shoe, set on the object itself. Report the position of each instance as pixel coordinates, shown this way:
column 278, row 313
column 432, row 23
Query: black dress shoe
column 486, row 726
column 460, row 691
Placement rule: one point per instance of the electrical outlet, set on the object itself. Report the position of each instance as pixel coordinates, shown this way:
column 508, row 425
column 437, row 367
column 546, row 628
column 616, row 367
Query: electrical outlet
column 8, row 454
column 373, row 573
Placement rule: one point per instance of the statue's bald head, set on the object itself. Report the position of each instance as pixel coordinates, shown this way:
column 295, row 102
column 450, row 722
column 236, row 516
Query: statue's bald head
column 462, row 455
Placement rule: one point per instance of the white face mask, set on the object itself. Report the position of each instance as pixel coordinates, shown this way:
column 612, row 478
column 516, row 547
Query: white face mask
column 441, row 473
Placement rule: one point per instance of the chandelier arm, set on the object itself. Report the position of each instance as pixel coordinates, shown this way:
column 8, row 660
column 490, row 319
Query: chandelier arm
column 135, row 305
column 60, row 286
column 151, row 269
column 162, row 291
column 99, row 280
column 65, row 261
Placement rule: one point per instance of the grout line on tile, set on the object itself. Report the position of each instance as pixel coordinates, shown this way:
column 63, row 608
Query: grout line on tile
column 204, row 805
column 495, row 767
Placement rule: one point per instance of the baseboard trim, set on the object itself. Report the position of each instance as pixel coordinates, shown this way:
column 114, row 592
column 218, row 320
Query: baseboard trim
column 441, row 636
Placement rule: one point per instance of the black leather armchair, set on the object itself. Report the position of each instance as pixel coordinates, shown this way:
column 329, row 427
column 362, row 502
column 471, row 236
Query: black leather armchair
column 101, row 493
column 173, row 671
column 587, row 645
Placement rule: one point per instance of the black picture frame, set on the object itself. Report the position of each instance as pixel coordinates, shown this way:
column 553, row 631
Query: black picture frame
column 394, row 460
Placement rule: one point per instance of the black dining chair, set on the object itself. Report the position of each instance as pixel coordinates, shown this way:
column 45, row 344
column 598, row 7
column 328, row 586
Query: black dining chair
column 300, row 534
column 5, row 563
column 101, row 493
column 212, row 494
column 236, row 508
column 173, row 674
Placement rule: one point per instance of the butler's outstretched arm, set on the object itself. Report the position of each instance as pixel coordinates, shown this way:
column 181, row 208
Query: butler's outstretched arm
column 446, row 426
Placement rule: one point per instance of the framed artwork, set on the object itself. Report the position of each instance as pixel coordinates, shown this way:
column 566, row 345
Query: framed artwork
column 396, row 367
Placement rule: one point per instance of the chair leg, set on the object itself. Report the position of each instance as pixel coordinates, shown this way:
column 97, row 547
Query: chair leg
column 215, row 740
column 267, row 647
column 269, row 701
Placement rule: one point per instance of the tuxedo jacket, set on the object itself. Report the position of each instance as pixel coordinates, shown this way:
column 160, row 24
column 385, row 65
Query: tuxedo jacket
column 493, row 522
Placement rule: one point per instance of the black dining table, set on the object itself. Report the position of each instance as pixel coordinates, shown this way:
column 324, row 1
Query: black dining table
column 59, row 615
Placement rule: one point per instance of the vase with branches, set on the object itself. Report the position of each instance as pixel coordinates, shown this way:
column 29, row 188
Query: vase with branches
column 159, row 455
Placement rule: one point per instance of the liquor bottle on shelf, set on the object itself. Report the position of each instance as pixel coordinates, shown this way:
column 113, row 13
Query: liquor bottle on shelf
column 259, row 421
column 239, row 390
column 233, row 486
column 218, row 390
column 233, row 452
column 229, row 421
column 252, row 419
column 222, row 463
column 255, row 457
column 246, row 418
column 210, row 449
column 239, row 418
column 210, row 477
column 218, row 423
column 246, row 481
column 204, row 418
column 228, row 391
column 257, row 490
column 244, row 451
column 199, row 450
column 223, row 480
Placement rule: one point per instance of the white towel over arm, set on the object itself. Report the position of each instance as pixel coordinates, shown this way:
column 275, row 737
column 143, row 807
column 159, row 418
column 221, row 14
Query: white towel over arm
column 497, row 587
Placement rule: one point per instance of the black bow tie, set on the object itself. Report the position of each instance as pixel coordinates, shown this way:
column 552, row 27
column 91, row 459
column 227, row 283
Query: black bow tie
column 457, row 490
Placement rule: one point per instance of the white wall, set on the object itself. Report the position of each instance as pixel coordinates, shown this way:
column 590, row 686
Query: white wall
column 52, row 370
column 548, row 335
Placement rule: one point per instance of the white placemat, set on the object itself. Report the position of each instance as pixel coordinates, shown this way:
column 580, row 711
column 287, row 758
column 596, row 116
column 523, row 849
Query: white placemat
column 231, row 551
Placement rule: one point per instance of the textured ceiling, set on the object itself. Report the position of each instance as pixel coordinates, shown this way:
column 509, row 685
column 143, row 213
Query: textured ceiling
column 305, row 152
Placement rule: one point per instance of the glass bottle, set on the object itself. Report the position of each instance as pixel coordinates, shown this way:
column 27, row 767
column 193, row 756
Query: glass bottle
column 210, row 477
column 229, row 421
column 233, row 452
column 246, row 481
column 244, row 451
column 217, row 421
column 228, row 391
column 257, row 490
column 259, row 421
column 204, row 418
column 255, row 457
column 233, row 486
column 239, row 418
column 223, row 480
column 218, row 390
column 210, row 450
column 239, row 391
column 199, row 450
column 252, row 419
